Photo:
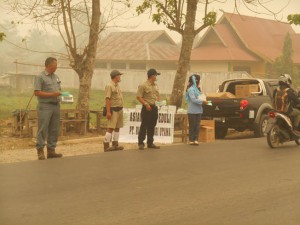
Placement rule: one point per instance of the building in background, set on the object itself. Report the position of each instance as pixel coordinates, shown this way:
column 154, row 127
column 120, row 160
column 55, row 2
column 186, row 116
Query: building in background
column 137, row 50
column 243, row 43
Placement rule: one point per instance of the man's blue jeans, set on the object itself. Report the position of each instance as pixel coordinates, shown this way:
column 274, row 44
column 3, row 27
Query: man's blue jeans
column 48, row 125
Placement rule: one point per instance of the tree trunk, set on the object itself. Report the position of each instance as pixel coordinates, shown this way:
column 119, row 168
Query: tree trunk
column 85, row 82
column 85, row 72
column 188, row 37
column 84, row 64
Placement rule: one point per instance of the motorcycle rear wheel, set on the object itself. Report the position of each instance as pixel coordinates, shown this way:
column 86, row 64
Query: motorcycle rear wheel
column 273, row 137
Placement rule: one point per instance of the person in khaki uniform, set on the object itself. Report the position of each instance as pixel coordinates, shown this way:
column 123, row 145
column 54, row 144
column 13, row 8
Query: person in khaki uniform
column 147, row 95
column 114, row 112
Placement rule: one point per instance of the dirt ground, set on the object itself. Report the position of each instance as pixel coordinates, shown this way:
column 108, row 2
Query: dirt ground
column 17, row 149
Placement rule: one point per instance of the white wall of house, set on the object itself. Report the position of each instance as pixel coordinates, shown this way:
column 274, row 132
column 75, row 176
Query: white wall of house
column 132, row 78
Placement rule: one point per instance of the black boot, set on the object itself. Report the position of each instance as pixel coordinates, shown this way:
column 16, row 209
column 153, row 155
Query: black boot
column 107, row 148
column 116, row 146
column 52, row 154
column 40, row 153
column 153, row 146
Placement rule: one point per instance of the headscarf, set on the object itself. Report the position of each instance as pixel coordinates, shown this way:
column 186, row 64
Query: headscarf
column 193, row 86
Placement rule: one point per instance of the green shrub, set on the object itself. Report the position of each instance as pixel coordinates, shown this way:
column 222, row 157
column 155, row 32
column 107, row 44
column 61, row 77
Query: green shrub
column 11, row 100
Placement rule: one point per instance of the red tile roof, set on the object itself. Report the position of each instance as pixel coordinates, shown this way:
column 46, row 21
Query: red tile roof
column 137, row 45
column 263, row 36
column 243, row 37
column 225, row 47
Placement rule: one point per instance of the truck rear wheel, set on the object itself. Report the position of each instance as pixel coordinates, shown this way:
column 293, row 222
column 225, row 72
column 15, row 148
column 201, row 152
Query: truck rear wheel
column 260, row 128
column 221, row 132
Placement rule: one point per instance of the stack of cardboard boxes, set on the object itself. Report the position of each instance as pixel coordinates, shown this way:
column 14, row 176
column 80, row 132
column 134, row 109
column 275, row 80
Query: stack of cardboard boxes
column 245, row 90
column 207, row 131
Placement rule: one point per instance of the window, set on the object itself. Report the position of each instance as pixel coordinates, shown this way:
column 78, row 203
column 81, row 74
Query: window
column 242, row 68
column 118, row 65
column 137, row 66
column 101, row 65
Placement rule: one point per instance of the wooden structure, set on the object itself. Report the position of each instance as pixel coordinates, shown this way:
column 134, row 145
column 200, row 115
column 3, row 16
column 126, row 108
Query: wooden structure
column 25, row 123
column 72, row 118
column 181, row 127
column 100, row 125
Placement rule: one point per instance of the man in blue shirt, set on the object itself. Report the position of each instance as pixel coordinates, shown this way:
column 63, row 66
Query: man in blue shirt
column 47, row 89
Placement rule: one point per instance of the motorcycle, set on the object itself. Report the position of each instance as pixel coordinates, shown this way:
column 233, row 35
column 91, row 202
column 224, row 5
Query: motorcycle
column 279, row 129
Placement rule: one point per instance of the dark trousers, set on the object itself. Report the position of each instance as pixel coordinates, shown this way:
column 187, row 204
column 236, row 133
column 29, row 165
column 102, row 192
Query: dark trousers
column 194, row 125
column 149, row 120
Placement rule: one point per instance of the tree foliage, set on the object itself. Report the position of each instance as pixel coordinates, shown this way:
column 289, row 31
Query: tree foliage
column 179, row 16
column 188, row 18
column 64, row 16
column 284, row 63
column 294, row 19
column 2, row 36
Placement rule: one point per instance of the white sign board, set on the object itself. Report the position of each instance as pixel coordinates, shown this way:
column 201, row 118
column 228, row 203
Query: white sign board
column 164, row 130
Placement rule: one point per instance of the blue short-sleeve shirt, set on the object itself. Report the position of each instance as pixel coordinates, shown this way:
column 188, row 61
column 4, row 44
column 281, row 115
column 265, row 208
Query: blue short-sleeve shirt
column 47, row 83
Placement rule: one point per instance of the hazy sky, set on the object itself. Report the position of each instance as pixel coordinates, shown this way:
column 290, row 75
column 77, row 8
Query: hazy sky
column 143, row 22
column 282, row 7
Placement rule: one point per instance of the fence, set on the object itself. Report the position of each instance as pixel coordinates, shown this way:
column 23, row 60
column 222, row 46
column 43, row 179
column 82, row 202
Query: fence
column 130, row 80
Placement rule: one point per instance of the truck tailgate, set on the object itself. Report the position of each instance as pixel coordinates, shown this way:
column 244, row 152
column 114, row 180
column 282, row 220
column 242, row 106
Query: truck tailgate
column 222, row 107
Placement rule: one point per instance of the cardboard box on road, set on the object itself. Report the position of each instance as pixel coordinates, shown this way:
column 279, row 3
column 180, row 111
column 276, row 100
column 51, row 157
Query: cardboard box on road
column 208, row 123
column 206, row 134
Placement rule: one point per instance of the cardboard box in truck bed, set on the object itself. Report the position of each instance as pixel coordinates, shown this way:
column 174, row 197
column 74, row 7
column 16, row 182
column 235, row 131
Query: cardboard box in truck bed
column 220, row 95
column 245, row 90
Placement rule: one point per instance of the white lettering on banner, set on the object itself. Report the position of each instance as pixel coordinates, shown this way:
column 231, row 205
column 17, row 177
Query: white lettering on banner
column 164, row 129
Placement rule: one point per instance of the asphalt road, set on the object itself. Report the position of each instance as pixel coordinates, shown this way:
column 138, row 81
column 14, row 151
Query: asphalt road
column 230, row 182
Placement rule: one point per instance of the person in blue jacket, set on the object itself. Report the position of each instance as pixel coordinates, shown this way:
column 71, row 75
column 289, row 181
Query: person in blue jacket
column 195, row 110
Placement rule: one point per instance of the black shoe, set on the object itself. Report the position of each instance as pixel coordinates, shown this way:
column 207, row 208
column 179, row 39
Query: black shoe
column 52, row 154
column 153, row 146
column 141, row 146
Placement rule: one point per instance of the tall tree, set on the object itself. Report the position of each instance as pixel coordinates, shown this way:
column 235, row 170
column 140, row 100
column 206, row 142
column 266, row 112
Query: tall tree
column 181, row 16
column 63, row 15
column 284, row 63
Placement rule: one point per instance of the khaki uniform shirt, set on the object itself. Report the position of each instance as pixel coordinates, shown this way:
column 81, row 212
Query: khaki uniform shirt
column 47, row 83
column 113, row 92
column 149, row 92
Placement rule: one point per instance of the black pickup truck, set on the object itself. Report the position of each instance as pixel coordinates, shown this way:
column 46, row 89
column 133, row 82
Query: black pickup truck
column 238, row 112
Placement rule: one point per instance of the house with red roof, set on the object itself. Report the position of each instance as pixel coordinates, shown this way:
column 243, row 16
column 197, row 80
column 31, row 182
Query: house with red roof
column 137, row 50
column 243, row 43
column 133, row 53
